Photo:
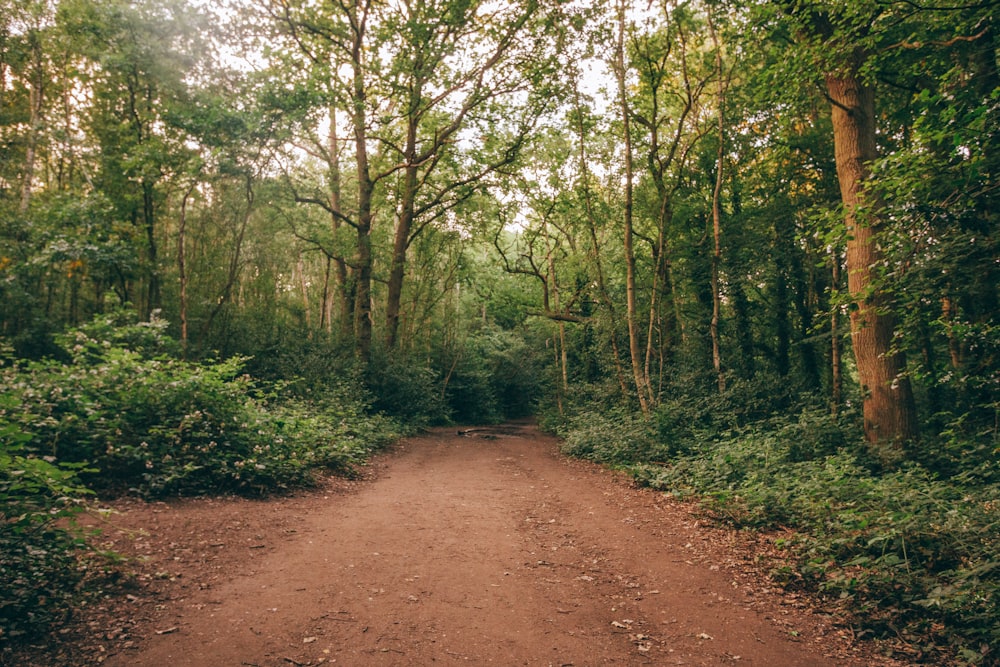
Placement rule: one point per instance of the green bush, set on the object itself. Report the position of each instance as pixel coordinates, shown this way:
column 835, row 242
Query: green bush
column 909, row 553
column 617, row 438
column 117, row 413
column 495, row 376
column 40, row 552
column 157, row 425
column 406, row 390
column 470, row 395
column 687, row 417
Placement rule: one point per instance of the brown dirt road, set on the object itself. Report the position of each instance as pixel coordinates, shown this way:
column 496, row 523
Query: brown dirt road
column 488, row 548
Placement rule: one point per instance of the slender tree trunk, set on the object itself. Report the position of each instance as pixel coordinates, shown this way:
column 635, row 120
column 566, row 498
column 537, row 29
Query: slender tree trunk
column 836, row 379
column 602, row 286
column 149, row 223
column 300, row 269
column 954, row 347
column 182, row 268
column 234, row 260
column 363, row 257
column 654, row 308
column 801, row 282
column 889, row 411
column 631, row 314
column 362, row 294
column 344, row 291
column 561, row 354
column 326, row 309
column 36, row 98
column 741, row 305
column 717, row 213
column 401, row 241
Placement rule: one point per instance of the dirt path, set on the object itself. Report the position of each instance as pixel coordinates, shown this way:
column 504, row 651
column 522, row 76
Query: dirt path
column 488, row 548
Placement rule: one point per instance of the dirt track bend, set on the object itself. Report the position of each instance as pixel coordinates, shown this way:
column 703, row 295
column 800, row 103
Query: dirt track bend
column 483, row 548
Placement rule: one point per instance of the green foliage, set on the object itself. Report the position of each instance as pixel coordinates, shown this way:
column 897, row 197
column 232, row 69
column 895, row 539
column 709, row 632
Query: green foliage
column 904, row 550
column 496, row 376
column 406, row 390
column 686, row 417
column 39, row 556
column 484, row 377
column 616, row 437
column 514, row 374
column 469, row 394
column 158, row 425
column 119, row 415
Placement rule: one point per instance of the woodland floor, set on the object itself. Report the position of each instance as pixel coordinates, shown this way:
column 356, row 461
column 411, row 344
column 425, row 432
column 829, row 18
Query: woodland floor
column 488, row 547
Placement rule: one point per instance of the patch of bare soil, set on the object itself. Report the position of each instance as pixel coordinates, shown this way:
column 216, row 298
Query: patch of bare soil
column 484, row 546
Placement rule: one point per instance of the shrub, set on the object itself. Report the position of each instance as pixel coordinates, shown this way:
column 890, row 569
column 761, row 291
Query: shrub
column 406, row 390
column 909, row 553
column 39, row 556
column 617, row 438
column 161, row 425
column 117, row 413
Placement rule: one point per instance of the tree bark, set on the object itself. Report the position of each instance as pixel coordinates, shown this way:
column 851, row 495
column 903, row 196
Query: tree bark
column 300, row 270
column 836, row 378
column 595, row 245
column 889, row 412
column 717, row 214
column 344, row 297
column 36, row 97
column 404, row 224
column 631, row 314
column 365, row 185
column 182, row 267
column 153, row 301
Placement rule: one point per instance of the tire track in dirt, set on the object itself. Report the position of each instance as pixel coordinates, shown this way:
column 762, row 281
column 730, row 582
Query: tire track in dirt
column 487, row 549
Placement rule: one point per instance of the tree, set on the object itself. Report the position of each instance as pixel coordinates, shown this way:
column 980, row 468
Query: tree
column 137, row 83
column 889, row 408
column 641, row 379
column 415, row 85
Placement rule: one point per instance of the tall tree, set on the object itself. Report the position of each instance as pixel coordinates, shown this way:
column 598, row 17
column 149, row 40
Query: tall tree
column 440, row 67
column 639, row 375
column 889, row 407
column 142, row 54
column 416, row 85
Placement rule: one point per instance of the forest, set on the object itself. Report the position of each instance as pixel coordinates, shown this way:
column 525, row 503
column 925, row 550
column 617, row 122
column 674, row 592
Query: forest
column 745, row 251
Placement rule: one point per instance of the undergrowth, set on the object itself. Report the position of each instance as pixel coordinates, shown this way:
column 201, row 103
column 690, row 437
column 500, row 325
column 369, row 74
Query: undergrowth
column 908, row 552
column 118, row 413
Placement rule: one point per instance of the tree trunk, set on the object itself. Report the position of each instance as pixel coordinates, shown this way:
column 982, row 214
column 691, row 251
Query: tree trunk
column 300, row 269
column 595, row 245
column 401, row 241
column 35, row 102
column 889, row 412
column 553, row 281
column 149, row 223
column 363, row 257
column 182, row 268
column 345, row 298
column 836, row 378
column 234, row 260
column 631, row 314
column 717, row 214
